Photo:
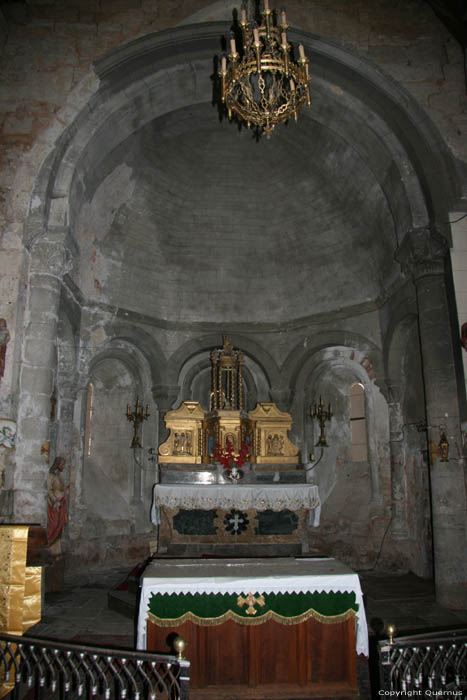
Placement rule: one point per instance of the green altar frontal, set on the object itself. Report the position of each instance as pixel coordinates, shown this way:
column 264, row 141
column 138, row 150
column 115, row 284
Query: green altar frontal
column 207, row 609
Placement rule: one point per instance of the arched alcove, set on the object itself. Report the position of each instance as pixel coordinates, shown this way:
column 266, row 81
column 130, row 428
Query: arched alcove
column 172, row 227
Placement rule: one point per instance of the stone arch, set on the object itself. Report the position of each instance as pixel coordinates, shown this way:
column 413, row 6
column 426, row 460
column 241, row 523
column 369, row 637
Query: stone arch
column 298, row 362
column 134, row 76
column 162, row 72
column 337, row 367
column 145, row 343
column 206, row 343
column 255, row 381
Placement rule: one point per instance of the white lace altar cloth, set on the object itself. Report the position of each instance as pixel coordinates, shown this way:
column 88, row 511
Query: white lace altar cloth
column 257, row 497
column 282, row 575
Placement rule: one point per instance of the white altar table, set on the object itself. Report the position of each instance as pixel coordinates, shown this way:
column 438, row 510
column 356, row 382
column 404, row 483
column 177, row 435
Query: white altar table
column 260, row 497
column 241, row 576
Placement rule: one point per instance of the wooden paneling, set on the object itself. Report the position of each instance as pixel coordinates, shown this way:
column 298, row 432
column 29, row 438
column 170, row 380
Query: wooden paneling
column 308, row 659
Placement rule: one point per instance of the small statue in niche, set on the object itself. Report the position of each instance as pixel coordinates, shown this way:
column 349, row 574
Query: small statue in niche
column 269, row 444
column 179, row 441
column 274, row 444
column 57, row 505
column 182, row 444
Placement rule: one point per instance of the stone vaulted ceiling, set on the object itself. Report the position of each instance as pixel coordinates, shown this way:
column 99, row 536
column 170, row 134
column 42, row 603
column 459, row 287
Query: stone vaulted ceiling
column 184, row 217
column 213, row 225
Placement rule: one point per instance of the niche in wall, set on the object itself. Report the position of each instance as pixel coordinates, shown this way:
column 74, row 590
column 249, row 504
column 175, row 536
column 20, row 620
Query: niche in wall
column 108, row 457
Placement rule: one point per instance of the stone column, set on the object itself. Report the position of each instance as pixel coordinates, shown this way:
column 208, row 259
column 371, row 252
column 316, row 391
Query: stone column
column 422, row 255
column 398, row 485
column 48, row 264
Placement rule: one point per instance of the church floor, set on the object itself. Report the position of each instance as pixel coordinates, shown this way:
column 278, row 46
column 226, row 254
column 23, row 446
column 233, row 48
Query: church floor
column 80, row 613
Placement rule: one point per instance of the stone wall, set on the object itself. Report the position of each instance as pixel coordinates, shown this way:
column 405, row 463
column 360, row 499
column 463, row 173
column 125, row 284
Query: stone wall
column 106, row 314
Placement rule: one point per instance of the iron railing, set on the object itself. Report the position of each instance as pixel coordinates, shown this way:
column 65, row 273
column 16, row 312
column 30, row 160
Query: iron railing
column 49, row 670
column 425, row 665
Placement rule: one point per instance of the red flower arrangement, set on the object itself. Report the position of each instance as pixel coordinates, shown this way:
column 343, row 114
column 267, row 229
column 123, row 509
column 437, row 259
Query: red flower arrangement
column 227, row 457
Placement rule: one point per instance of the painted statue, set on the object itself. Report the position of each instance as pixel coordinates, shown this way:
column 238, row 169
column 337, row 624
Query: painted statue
column 57, row 505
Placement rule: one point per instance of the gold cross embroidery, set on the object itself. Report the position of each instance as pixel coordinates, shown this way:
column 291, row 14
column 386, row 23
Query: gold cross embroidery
column 251, row 601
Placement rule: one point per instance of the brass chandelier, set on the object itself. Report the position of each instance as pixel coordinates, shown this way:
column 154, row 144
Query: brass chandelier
column 264, row 86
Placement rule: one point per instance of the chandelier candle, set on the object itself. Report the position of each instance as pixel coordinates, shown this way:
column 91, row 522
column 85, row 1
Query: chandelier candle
column 263, row 86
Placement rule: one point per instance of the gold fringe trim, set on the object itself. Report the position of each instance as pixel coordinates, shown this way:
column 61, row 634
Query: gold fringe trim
column 269, row 615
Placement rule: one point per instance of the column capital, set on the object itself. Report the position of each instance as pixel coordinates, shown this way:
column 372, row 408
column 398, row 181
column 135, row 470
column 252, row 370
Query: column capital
column 422, row 252
column 51, row 255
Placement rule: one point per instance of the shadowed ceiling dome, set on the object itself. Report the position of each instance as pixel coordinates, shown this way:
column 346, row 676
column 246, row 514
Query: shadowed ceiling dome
column 194, row 220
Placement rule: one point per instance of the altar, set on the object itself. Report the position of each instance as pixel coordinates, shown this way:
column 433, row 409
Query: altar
column 263, row 514
column 257, row 627
column 230, row 481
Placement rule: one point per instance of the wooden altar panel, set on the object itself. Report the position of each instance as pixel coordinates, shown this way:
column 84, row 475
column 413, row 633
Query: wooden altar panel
column 232, row 660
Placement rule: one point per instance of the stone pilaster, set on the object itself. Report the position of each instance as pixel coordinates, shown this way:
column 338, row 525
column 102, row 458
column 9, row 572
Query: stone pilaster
column 398, row 479
column 49, row 261
column 422, row 255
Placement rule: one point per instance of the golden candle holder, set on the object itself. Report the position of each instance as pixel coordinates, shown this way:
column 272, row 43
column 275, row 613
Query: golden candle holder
column 391, row 631
column 137, row 416
column 321, row 414
column 179, row 645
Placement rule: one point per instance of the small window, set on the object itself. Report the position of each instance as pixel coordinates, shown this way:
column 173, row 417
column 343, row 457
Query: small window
column 358, row 423
column 88, row 421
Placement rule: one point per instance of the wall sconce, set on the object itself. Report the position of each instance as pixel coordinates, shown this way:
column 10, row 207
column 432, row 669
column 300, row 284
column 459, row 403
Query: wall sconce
column 443, row 447
column 322, row 415
column 136, row 416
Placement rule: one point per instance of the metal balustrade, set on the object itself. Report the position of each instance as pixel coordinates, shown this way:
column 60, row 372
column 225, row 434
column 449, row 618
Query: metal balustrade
column 42, row 669
column 426, row 665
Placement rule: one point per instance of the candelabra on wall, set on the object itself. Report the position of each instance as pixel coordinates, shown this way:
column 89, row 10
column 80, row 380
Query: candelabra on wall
column 321, row 414
column 137, row 416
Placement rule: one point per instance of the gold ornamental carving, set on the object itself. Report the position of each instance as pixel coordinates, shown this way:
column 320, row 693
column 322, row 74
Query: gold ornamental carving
column 195, row 435
column 184, row 442
column 272, row 442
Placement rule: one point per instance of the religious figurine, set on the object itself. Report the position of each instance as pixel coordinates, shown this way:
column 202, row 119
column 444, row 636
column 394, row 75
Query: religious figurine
column 57, row 505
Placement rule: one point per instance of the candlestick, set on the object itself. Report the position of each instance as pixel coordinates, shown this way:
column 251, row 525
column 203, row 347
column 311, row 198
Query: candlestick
column 137, row 416
column 322, row 415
